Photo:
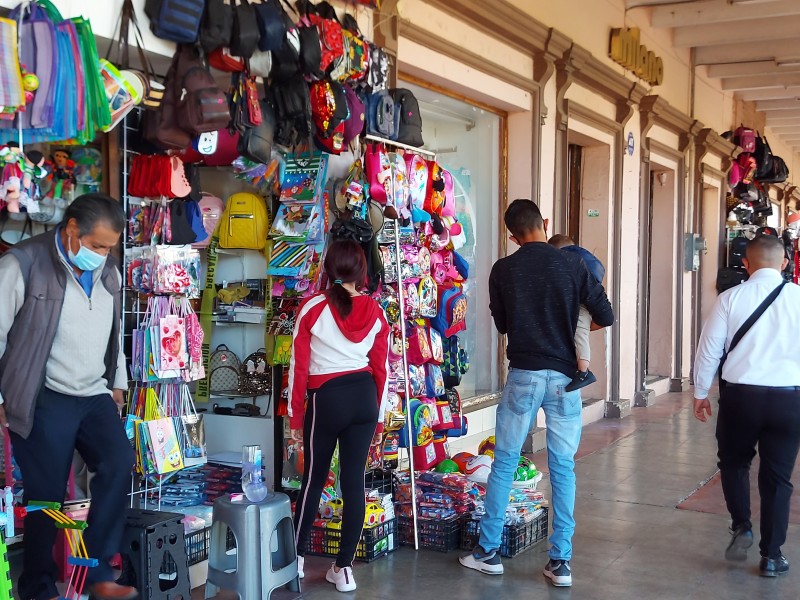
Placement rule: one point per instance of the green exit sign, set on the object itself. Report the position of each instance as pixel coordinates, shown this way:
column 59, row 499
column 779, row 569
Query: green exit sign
column 593, row 212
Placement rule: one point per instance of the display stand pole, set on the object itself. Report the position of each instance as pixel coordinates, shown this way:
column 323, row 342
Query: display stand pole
column 400, row 296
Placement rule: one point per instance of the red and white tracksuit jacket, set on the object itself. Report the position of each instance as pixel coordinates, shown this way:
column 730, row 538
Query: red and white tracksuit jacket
column 325, row 346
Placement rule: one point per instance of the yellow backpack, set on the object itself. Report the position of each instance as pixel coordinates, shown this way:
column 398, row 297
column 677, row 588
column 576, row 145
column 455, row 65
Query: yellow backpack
column 245, row 222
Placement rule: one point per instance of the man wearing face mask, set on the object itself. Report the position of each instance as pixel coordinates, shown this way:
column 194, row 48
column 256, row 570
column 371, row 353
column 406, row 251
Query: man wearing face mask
column 62, row 384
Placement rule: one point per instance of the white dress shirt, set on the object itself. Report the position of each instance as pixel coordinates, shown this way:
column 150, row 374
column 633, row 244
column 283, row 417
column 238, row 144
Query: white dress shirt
column 768, row 354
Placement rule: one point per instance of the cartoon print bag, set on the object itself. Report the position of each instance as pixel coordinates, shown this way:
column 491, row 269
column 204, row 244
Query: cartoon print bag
column 419, row 349
column 434, row 383
column 437, row 350
column 427, row 297
column 172, row 334
column 416, row 380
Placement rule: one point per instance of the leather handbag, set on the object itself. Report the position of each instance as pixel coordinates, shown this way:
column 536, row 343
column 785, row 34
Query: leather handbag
column 216, row 29
column 256, row 142
column 246, row 35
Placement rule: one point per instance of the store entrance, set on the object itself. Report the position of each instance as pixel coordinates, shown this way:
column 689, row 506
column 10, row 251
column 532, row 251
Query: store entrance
column 589, row 223
column 659, row 343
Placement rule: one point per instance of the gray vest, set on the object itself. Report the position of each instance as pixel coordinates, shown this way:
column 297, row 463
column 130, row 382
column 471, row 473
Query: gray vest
column 23, row 365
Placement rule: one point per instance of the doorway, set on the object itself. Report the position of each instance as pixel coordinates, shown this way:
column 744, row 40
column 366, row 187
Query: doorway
column 659, row 346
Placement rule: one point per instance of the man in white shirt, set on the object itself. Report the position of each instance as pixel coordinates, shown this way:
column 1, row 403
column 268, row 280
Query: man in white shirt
column 759, row 399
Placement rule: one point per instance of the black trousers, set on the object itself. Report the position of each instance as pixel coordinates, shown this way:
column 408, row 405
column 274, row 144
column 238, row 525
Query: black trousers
column 343, row 410
column 770, row 418
column 63, row 424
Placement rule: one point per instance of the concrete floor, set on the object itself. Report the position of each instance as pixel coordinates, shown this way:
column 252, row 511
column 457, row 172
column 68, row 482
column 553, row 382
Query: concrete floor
column 631, row 541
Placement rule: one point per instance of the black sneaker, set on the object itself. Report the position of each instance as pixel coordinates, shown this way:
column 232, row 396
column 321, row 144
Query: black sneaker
column 740, row 542
column 559, row 573
column 485, row 562
column 772, row 567
column 580, row 380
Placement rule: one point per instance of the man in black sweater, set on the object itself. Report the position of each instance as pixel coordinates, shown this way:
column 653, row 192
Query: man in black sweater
column 535, row 296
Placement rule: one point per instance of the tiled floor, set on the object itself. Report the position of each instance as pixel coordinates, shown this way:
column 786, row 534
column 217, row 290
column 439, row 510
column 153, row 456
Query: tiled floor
column 631, row 542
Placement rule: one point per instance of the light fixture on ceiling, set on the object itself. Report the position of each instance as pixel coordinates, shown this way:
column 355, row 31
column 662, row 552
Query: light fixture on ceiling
column 750, row 1
column 795, row 62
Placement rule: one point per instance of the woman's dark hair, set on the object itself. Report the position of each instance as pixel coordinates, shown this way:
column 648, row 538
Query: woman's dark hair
column 90, row 209
column 344, row 263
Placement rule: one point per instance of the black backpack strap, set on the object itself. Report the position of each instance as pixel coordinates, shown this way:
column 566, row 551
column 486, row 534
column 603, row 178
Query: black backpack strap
column 751, row 320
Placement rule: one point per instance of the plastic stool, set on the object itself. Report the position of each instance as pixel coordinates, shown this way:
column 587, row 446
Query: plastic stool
column 154, row 555
column 264, row 555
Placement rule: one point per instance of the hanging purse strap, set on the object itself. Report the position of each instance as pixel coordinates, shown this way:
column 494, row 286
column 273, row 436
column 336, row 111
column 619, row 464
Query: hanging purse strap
column 751, row 320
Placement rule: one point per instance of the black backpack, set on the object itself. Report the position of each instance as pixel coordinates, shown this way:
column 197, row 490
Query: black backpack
column 292, row 112
column 175, row 20
column 728, row 277
column 410, row 121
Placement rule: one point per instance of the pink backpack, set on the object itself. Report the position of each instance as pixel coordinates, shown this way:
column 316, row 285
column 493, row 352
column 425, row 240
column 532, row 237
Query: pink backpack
column 745, row 138
column 211, row 209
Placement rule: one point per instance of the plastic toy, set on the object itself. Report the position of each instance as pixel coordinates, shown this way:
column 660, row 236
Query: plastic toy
column 486, row 447
column 478, row 468
column 332, row 508
column 374, row 515
column 526, row 470
column 447, row 466
column 73, row 531
column 461, row 459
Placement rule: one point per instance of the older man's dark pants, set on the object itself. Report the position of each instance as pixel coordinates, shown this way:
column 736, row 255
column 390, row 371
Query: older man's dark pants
column 61, row 425
column 770, row 418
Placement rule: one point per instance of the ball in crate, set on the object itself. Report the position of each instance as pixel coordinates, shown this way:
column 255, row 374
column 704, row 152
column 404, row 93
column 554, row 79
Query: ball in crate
column 461, row 459
column 526, row 470
column 486, row 447
column 478, row 469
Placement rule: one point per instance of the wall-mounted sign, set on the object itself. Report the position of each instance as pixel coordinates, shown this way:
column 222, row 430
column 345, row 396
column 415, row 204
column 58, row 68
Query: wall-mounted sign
column 631, row 144
column 592, row 212
column 626, row 49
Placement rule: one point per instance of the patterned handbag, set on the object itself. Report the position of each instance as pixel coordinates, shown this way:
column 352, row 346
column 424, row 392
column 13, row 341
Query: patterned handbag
column 255, row 374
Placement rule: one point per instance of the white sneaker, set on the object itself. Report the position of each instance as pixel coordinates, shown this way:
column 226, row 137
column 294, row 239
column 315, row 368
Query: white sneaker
column 343, row 579
column 300, row 564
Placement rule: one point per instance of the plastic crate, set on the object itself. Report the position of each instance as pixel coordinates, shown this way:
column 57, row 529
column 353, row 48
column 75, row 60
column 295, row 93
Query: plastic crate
column 440, row 535
column 375, row 541
column 197, row 545
column 515, row 538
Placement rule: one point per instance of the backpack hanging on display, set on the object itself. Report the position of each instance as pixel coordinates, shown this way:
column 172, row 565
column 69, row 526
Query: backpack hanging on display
column 175, row 20
column 323, row 17
column 180, row 230
column 354, row 125
column 409, row 128
column 452, row 315
column 195, row 217
column 203, row 107
column 456, row 362
column 382, row 119
column 223, row 369
column 272, row 28
column 211, row 211
column 310, row 51
column 745, row 138
column 255, row 374
column 378, row 73
column 244, row 223
column 292, row 112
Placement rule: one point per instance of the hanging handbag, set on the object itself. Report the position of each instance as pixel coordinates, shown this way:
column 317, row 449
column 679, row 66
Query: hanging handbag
column 216, row 29
column 244, row 40
column 256, row 142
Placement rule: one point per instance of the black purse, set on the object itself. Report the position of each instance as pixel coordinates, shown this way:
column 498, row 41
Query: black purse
column 256, row 142
column 310, row 51
column 217, row 27
column 244, row 40
column 355, row 229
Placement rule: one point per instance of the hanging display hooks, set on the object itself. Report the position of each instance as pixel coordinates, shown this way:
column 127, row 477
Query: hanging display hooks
column 413, row 149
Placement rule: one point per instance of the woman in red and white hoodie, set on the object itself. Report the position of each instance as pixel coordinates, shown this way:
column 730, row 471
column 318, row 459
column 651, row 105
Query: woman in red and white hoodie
column 340, row 356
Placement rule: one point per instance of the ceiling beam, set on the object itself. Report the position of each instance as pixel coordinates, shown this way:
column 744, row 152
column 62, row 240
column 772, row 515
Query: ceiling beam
column 760, row 81
column 781, row 105
column 768, row 93
column 759, row 67
column 775, row 28
column 642, row 3
column 787, row 131
column 742, row 52
column 720, row 11
column 777, row 119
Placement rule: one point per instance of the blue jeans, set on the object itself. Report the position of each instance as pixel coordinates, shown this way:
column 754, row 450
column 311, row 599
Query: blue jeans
column 524, row 394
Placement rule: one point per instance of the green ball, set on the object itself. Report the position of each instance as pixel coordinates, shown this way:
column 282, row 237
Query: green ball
column 446, row 466
column 526, row 470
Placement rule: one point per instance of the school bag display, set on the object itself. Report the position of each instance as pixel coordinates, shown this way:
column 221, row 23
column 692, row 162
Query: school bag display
column 175, row 20
column 244, row 223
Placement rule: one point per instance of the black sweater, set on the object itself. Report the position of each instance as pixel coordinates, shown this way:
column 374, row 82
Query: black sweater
column 534, row 296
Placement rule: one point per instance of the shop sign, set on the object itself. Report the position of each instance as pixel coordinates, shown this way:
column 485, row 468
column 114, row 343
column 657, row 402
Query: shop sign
column 626, row 50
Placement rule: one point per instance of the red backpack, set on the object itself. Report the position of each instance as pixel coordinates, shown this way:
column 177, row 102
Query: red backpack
column 745, row 138
column 323, row 17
